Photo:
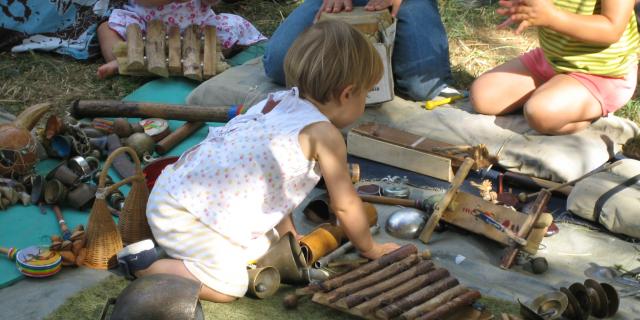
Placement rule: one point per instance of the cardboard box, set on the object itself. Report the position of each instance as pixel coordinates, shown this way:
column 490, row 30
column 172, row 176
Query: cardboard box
column 380, row 28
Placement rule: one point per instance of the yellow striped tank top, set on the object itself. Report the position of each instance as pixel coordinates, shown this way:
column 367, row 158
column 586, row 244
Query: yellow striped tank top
column 567, row 54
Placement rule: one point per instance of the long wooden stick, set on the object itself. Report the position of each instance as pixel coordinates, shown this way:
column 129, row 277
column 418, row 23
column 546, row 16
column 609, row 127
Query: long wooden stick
column 171, row 140
column 117, row 108
column 417, row 298
column 418, row 204
column 66, row 234
column 462, row 173
column 370, row 267
column 462, row 300
column 434, row 303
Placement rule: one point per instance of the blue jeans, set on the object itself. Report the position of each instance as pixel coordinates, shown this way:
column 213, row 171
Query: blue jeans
column 420, row 56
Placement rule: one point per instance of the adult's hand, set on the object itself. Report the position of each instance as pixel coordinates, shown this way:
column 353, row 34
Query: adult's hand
column 376, row 5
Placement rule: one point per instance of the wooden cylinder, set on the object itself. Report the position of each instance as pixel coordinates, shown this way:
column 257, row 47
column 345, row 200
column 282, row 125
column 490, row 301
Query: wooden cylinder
column 373, row 278
column 370, row 267
column 210, row 56
column 320, row 242
column 402, row 290
column 434, row 303
column 135, row 48
column 117, row 108
column 155, row 47
column 171, row 140
column 191, row 53
column 417, row 297
column 451, row 306
column 361, row 296
column 174, row 44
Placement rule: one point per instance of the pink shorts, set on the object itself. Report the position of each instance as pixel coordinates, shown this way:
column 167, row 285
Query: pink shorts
column 612, row 93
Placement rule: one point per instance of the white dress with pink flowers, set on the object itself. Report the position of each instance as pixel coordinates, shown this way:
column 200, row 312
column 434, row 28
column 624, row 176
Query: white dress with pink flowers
column 231, row 29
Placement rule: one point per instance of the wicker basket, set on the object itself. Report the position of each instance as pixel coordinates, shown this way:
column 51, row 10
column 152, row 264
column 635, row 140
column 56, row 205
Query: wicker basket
column 103, row 238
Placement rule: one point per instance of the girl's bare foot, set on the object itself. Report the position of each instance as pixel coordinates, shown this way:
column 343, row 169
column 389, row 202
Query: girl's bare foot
column 108, row 69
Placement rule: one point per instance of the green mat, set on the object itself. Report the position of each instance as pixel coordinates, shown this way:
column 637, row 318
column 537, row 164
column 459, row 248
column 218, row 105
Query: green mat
column 23, row 226
column 88, row 304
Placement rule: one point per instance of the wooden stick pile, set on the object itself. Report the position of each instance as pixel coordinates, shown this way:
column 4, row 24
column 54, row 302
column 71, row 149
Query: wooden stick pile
column 402, row 284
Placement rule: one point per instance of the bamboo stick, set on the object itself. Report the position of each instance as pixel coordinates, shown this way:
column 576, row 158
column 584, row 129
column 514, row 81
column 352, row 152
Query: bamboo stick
column 417, row 298
column 458, row 302
column 175, row 50
column 117, row 108
column 401, row 291
column 370, row 267
column 191, row 54
column 373, row 278
column 432, row 304
column 361, row 296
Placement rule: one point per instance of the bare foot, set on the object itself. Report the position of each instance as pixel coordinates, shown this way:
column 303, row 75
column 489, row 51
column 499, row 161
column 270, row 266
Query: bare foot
column 108, row 69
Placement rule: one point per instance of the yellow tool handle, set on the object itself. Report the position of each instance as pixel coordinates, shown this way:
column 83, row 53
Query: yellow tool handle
column 432, row 104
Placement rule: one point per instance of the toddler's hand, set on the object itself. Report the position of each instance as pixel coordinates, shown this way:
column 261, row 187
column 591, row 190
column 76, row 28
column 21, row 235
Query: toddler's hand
column 378, row 250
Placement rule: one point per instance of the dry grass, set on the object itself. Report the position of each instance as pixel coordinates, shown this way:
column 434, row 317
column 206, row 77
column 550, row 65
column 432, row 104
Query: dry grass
column 475, row 47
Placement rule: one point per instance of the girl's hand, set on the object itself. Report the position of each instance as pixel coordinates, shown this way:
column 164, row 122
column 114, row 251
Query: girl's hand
column 377, row 5
column 527, row 13
column 378, row 250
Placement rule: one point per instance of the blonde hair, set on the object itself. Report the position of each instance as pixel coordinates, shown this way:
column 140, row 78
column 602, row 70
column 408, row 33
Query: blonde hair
column 329, row 56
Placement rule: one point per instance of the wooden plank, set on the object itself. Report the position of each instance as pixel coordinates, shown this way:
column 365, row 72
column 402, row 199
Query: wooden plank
column 135, row 48
column 397, row 156
column 155, row 46
column 442, row 205
column 210, row 58
column 191, row 54
column 420, row 143
column 459, row 213
column 175, row 51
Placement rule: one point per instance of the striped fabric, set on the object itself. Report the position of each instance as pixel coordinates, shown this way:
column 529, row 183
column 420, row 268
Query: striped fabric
column 567, row 54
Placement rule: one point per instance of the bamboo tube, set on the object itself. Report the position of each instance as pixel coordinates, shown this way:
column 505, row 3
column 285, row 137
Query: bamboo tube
column 135, row 48
column 402, row 290
column 462, row 300
column 324, row 261
column 191, row 54
column 373, row 278
column 117, row 108
column 320, row 241
column 361, row 296
column 416, row 298
column 370, row 267
column 432, row 304
column 210, row 56
column 175, row 51
column 155, row 47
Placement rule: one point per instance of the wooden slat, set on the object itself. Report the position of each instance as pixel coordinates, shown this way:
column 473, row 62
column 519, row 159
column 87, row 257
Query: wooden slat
column 175, row 51
column 191, row 54
column 397, row 156
column 155, row 46
column 210, row 59
column 135, row 48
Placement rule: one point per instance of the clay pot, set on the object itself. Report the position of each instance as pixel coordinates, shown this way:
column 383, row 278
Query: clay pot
column 17, row 145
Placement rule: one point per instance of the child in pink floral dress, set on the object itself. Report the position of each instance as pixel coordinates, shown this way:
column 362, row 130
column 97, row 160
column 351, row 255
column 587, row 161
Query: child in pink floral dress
column 232, row 30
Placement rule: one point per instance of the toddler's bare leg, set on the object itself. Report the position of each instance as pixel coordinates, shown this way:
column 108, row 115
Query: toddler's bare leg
column 561, row 106
column 107, row 39
column 286, row 225
column 176, row 267
column 503, row 89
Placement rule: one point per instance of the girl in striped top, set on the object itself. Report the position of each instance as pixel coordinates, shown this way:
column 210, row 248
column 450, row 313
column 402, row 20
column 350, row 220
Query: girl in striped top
column 585, row 67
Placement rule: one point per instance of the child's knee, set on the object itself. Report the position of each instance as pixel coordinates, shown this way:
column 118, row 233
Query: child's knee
column 539, row 118
column 479, row 98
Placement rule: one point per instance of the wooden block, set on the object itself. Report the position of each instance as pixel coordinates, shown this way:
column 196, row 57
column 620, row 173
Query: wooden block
column 175, row 51
column 210, row 58
column 155, row 47
column 135, row 48
column 191, row 54
column 120, row 52
column 398, row 156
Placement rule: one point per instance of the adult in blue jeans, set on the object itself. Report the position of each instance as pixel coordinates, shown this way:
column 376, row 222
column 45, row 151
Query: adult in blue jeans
column 421, row 51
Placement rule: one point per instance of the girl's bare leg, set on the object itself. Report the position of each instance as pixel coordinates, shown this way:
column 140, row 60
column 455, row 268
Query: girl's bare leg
column 176, row 267
column 286, row 225
column 561, row 106
column 107, row 39
column 502, row 89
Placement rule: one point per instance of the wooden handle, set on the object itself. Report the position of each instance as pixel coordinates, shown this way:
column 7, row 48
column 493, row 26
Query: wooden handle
column 439, row 209
column 117, row 108
column 66, row 234
column 177, row 136
column 390, row 201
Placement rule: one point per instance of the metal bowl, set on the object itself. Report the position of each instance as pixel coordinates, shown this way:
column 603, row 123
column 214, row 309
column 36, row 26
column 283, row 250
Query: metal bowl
column 406, row 223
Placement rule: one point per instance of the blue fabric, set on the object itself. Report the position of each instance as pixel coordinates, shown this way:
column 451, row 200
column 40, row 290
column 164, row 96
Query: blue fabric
column 420, row 56
column 36, row 16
